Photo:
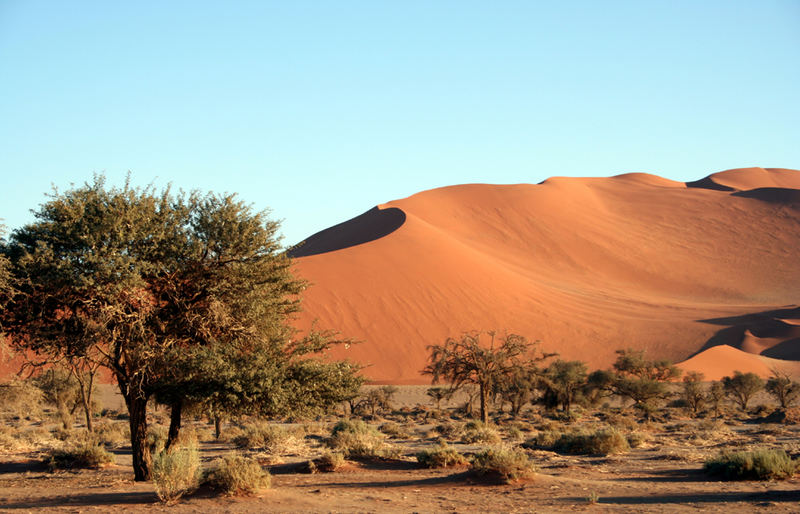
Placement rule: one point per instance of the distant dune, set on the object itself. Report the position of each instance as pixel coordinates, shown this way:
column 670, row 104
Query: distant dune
column 586, row 265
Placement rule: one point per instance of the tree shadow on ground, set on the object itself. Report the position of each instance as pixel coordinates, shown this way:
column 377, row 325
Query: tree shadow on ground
column 84, row 500
column 464, row 477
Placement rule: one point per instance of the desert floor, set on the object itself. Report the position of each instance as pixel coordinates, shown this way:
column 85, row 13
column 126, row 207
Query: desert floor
column 662, row 474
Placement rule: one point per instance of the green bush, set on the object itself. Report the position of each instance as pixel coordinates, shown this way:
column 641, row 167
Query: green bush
column 356, row 439
column 505, row 463
column 176, row 472
column 441, row 456
column 479, row 432
column 236, row 475
column 754, row 465
column 82, row 455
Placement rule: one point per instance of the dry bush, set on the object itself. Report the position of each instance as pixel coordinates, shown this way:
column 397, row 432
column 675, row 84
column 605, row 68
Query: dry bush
column 505, row 463
column 753, row 465
column 480, row 432
column 81, row 455
column 636, row 439
column 450, row 430
column 20, row 399
column 271, row 438
column 441, row 456
column 356, row 439
column 395, row 431
column 328, row 462
column 236, row 475
column 514, row 433
column 598, row 442
column 113, row 434
column 176, row 472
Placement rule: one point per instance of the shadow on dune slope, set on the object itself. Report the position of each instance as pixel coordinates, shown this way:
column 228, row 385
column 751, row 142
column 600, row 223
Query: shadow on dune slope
column 779, row 327
column 373, row 224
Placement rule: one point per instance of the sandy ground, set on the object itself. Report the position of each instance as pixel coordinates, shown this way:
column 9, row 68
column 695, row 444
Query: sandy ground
column 662, row 475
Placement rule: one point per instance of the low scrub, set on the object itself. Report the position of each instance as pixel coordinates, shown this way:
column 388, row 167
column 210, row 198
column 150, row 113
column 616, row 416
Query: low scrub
column 754, row 465
column 269, row 438
column 328, row 462
column 479, row 432
column 441, row 456
column 83, row 455
column 599, row 442
column 356, row 439
column 506, row 464
column 176, row 472
column 236, row 475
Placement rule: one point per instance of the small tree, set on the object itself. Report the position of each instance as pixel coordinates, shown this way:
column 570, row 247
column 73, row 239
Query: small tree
column 469, row 360
column 693, row 392
column 517, row 387
column 566, row 380
column 60, row 389
column 716, row 396
column 783, row 388
column 742, row 386
column 643, row 380
column 437, row 394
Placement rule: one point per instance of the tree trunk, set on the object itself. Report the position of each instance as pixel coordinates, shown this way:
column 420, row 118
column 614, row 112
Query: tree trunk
column 484, row 397
column 137, row 409
column 174, row 424
column 217, row 426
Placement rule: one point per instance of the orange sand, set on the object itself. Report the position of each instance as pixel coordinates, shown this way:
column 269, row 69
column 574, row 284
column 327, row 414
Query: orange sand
column 586, row 265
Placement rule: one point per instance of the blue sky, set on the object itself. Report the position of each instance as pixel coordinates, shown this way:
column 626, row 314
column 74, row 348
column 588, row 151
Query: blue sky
column 320, row 110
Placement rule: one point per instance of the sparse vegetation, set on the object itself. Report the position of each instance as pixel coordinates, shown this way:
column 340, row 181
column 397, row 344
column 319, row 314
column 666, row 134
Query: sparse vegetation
column 441, row 456
column 176, row 472
column 236, row 475
column 505, row 463
column 82, row 455
column 785, row 390
column 742, row 386
column 597, row 442
column 480, row 432
column 752, row 465
column 356, row 439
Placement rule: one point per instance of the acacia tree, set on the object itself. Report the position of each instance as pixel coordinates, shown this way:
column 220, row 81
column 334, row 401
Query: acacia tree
column 159, row 287
column 742, row 386
column 783, row 388
column 565, row 380
column 641, row 379
column 468, row 360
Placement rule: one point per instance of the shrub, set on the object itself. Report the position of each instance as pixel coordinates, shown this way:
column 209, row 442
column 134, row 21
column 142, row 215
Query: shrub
column 19, row 399
column 113, row 434
column 754, row 465
column 156, row 438
column 328, row 462
column 505, row 463
column 236, row 475
column 176, row 472
column 267, row 437
column 450, row 430
column 83, row 455
column 356, row 439
column 600, row 442
column 441, row 456
column 396, row 431
column 480, row 432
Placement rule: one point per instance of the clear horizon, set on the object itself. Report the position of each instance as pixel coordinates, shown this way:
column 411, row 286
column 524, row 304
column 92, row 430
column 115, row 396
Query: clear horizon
column 321, row 110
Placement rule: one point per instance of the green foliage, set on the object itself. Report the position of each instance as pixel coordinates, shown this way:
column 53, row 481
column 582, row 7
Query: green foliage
column 439, row 394
column 785, row 390
column 182, row 296
column 441, row 456
column 742, row 386
column 236, row 475
column 469, row 360
column 356, row 439
column 565, row 380
column 693, row 393
column 176, row 472
column 82, row 455
column 716, row 396
column 754, row 465
column 642, row 380
column 505, row 463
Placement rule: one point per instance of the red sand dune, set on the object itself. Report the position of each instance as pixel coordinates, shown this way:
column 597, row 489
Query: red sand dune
column 586, row 265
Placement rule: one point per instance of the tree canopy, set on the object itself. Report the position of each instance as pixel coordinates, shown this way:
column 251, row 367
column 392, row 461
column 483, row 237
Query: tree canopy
column 181, row 296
